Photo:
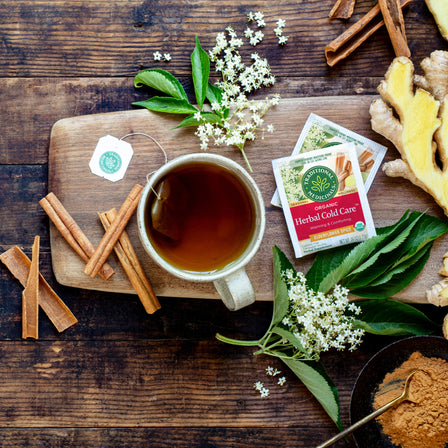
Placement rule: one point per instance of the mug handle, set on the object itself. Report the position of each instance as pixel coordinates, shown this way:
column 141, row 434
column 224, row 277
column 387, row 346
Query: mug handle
column 235, row 290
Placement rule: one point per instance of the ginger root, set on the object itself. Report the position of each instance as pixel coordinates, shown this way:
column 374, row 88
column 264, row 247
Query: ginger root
column 439, row 9
column 420, row 133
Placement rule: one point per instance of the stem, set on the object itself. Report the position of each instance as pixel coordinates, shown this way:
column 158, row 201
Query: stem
column 245, row 158
column 227, row 340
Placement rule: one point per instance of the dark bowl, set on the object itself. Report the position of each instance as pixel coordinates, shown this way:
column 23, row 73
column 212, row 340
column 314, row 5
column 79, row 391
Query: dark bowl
column 388, row 359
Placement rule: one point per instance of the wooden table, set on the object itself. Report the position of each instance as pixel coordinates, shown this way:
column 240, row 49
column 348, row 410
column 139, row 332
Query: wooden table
column 120, row 377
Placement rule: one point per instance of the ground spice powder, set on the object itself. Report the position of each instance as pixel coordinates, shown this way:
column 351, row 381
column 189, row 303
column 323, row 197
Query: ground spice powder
column 422, row 423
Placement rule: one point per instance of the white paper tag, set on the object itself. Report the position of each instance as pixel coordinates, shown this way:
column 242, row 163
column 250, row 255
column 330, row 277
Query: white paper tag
column 111, row 158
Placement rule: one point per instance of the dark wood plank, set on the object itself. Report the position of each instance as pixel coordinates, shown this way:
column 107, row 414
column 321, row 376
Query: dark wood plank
column 66, row 384
column 117, row 38
column 164, row 438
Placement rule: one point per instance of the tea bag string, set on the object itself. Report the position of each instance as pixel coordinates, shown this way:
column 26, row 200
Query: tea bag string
column 160, row 147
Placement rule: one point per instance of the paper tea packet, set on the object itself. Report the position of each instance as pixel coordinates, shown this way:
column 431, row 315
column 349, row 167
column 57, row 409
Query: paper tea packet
column 323, row 210
column 111, row 158
column 319, row 133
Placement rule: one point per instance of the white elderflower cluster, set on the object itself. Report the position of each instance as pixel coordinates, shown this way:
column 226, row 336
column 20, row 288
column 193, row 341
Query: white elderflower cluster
column 244, row 117
column 161, row 57
column 279, row 32
column 273, row 372
column 318, row 320
column 264, row 391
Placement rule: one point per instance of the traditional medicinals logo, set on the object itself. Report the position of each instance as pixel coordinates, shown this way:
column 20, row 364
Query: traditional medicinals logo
column 320, row 184
column 110, row 162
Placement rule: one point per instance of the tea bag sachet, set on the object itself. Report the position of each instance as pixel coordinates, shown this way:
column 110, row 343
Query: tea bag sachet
column 166, row 209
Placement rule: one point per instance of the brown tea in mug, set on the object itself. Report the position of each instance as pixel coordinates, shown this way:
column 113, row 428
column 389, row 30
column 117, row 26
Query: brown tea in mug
column 202, row 218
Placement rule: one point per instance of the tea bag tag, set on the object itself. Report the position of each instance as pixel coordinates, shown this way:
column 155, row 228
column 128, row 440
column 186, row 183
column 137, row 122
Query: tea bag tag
column 111, row 158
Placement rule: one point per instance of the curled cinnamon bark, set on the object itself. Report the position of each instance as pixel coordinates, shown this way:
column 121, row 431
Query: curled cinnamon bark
column 393, row 18
column 131, row 265
column 342, row 9
column 71, row 232
column 353, row 37
column 56, row 310
column 112, row 234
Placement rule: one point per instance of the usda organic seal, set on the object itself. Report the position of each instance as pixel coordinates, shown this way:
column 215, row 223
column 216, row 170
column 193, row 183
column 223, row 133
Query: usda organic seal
column 320, row 184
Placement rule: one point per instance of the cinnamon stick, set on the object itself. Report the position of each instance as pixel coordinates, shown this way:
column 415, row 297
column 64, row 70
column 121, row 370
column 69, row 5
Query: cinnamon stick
column 367, row 165
column 71, row 232
column 339, row 164
column 393, row 18
column 112, row 234
column 30, row 296
column 342, row 9
column 56, row 310
column 131, row 265
column 364, row 156
column 353, row 37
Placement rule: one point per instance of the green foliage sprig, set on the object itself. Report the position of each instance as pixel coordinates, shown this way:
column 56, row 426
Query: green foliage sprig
column 376, row 268
column 229, row 118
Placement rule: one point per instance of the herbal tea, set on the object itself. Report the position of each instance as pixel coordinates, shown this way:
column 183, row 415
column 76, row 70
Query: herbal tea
column 202, row 218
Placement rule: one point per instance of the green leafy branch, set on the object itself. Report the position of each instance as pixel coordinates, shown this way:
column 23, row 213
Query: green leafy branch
column 377, row 269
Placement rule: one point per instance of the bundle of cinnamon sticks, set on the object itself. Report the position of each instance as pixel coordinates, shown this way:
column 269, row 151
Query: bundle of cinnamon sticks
column 385, row 12
column 114, row 238
column 37, row 292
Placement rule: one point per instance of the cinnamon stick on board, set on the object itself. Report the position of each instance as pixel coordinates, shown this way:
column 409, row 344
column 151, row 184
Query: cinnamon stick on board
column 30, row 296
column 342, row 9
column 131, row 265
column 393, row 18
column 353, row 37
column 112, row 234
column 56, row 310
column 71, row 232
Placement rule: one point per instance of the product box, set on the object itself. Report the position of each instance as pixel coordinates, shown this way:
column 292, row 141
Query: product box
column 324, row 199
column 319, row 133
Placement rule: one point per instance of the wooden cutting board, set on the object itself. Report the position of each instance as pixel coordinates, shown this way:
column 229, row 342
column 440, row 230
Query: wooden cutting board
column 73, row 141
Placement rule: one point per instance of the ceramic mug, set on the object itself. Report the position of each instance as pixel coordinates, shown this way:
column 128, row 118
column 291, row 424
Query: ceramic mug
column 231, row 281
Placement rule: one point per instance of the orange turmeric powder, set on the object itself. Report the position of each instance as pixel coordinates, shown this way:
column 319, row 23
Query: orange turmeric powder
column 422, row 422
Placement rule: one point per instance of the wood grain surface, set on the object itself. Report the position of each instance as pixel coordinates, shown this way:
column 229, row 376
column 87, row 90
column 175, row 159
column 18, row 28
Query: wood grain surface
column 119, row 377
column 84, row 194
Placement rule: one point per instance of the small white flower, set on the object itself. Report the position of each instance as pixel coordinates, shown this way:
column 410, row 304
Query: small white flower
column 258, row 385
column 281, row 381
column 157, row 56
column 167, row 57
column 282, row 40
column 281, row 23
column 250, row 16
column 264, row 392
column 269, row 370
column 198, row 116
column 248, row 33
column 270, row 128
column 258, row 15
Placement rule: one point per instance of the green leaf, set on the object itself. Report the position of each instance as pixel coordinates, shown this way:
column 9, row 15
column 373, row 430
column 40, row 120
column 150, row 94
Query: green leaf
column 284, row 333
column 161, row 80
column 325, row 262
column 281, row 295
column 393, row 318
column 207, row 117
column 314, row 377
column 200, row 64
column 213, row 93
column 167, row 104
column 359, row 277
column 397, row 283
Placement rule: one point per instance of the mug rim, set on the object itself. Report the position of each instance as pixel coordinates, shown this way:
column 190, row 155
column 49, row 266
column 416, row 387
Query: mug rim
column 252, row 247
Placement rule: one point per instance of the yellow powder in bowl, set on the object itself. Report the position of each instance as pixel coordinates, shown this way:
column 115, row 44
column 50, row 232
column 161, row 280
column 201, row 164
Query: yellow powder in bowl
column 422, row 422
